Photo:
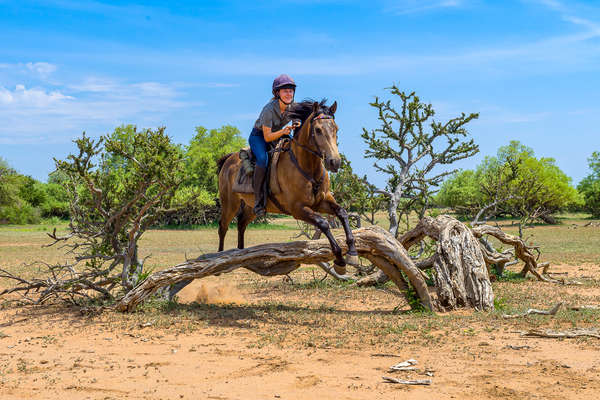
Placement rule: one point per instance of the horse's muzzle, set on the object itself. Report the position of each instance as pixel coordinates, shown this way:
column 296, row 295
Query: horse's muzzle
column 333, row 164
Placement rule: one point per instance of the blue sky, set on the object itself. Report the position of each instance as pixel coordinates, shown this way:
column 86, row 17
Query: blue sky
column 529, row 67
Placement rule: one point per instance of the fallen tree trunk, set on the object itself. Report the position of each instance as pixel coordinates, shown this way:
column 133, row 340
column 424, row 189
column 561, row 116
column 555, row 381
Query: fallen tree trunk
column 270, row 259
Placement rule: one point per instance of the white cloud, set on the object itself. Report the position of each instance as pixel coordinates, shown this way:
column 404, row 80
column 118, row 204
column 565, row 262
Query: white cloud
column 43, row 69
column 30, row 98
column 39, row 70
column 33, row 115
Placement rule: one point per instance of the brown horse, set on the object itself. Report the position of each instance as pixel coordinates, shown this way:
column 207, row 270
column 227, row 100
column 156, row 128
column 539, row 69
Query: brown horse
column 302, row 176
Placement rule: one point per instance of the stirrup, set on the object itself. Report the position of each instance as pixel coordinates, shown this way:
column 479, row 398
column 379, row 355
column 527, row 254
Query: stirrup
column 259, row 211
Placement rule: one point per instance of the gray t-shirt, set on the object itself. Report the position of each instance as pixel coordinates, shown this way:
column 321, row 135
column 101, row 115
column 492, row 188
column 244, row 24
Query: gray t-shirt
column 271, row 117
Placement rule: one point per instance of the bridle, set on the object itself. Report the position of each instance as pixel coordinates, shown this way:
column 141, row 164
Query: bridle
column 316, row 184
column 318, row 153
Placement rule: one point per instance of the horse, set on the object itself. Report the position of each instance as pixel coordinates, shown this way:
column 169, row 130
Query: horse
column 302, row 173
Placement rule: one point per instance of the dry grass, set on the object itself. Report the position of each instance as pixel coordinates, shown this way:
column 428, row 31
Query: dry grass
column 310, row 312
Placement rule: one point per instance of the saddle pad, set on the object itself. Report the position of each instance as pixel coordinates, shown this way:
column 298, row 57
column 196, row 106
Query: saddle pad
column 243, row 182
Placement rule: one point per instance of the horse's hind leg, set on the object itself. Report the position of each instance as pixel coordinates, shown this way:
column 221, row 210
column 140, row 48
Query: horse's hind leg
column 245, row 216
column 228, row 209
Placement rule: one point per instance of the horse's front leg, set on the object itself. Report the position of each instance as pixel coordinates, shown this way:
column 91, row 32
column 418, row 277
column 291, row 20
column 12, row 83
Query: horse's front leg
column 330, row 206
column 308, row 215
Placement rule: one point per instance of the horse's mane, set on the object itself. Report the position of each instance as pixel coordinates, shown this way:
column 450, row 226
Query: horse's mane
column 221, row 161
column 303, row 110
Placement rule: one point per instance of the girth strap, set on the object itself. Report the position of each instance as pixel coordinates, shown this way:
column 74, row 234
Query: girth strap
column 278, row 204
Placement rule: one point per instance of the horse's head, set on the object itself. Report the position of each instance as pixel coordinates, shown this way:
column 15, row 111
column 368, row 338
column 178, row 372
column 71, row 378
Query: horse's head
column 318, row 132
column 323, row 131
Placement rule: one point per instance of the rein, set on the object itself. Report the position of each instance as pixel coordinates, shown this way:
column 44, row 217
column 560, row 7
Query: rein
column 316, row 184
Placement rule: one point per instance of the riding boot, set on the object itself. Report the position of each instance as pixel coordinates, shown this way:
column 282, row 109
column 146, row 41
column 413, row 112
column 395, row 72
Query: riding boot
column 258, row 184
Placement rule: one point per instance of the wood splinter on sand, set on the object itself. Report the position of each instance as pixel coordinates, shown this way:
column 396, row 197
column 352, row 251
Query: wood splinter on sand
column 461, row 277
column 562, row 334
column 408, row 365
column 424, row 382
column 551, row 311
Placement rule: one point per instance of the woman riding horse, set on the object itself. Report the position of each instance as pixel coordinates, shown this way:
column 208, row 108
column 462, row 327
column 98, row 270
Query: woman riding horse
column 270, row 126
column 301, row 175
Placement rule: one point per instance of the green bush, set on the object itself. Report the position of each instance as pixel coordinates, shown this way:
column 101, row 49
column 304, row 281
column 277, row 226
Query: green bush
column 589, row 187
column 19, row 213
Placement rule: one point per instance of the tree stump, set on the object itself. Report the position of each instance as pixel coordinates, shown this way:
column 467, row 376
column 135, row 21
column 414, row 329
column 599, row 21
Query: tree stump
column 461, row 275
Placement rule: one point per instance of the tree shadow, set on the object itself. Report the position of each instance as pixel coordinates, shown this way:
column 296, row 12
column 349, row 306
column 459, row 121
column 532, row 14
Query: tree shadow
column 246, row 315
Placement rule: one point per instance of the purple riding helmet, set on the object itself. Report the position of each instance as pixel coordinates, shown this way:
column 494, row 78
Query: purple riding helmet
column 283, row 81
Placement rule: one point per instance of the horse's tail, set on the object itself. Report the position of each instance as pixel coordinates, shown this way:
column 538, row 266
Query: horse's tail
column 221, row 161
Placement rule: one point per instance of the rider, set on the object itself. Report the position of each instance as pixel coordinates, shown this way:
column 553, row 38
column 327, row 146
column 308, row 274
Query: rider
column 269, row 127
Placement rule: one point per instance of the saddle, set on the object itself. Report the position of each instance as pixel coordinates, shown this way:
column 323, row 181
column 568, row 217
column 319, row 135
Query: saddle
column 243, row 180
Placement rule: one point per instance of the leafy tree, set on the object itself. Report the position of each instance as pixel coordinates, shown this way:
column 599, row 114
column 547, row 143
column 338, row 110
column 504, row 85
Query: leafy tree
column 589, row 187
column 513, row 183
column 201, row 155
column 8, row 187
column 410, row 146
column 15, row 191
column 117, row 186
column 461, row 191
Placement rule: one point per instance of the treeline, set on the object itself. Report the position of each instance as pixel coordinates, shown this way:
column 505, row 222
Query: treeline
column 514, row 183
column 25, row 200
column 517, row 184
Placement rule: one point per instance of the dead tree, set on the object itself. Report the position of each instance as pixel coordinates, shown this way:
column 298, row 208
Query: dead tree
column 408, row 141
column 522, row 251
column 459, row 269
column 460, row 276
column 271, row 259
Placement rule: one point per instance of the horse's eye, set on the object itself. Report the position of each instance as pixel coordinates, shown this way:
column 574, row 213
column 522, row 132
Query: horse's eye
column 318, row 130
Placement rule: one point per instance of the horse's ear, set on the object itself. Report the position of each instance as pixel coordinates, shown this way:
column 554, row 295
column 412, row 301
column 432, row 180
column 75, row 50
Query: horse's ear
column 315, row 107
column 333, row 108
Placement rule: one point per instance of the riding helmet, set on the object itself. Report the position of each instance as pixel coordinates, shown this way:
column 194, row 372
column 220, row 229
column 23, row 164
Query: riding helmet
column 283, row 81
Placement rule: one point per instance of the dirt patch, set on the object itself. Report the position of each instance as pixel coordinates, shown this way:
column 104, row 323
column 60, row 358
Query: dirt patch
column 211, row 290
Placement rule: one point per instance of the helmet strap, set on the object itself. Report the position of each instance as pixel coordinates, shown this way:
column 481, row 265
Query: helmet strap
column 280, row 99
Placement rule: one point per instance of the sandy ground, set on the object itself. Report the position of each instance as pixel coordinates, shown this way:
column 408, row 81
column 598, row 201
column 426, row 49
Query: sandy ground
column 49, row 353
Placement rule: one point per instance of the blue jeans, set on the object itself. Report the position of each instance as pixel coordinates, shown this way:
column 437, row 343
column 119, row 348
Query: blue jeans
column 259, row 147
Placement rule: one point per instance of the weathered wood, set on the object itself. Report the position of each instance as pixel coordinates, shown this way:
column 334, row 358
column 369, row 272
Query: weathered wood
column 389, row 379
column 522, row 251
column 562, row 334
column 461, row 276
column 530, row 311
column 281, row 258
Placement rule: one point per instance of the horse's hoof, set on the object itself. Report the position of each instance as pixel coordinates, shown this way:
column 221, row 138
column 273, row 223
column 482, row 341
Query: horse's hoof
column 352, row 259
column 339, row 269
